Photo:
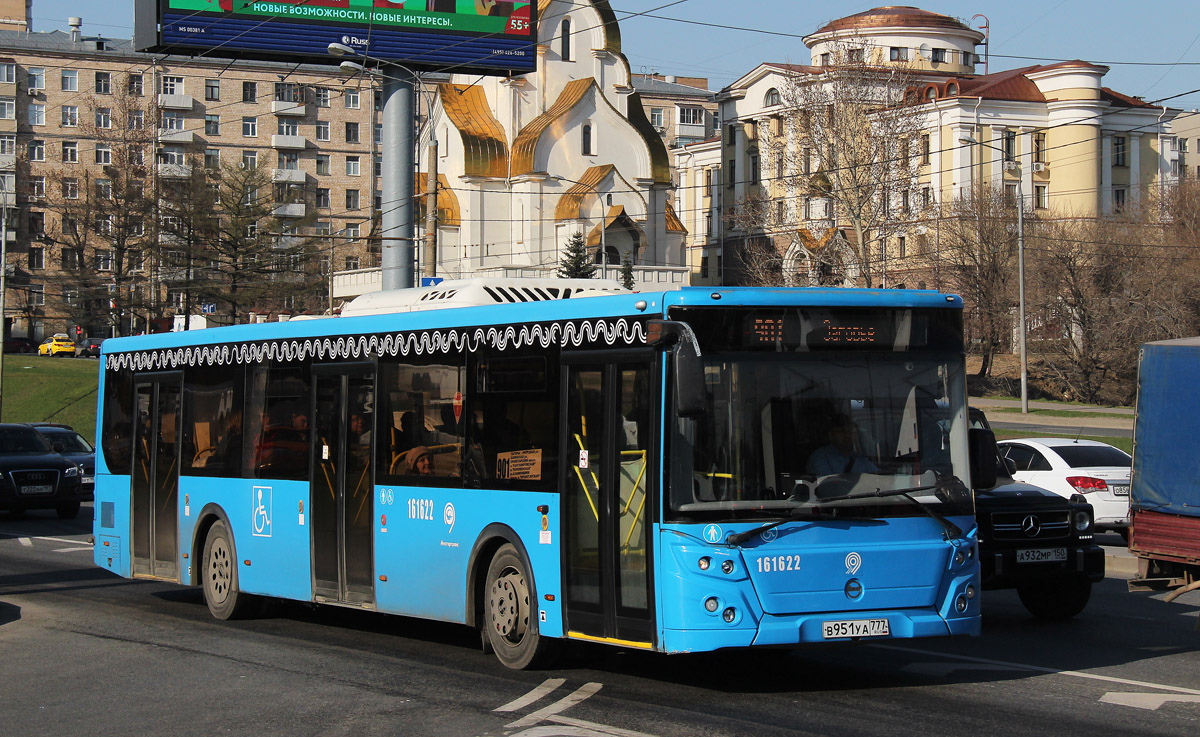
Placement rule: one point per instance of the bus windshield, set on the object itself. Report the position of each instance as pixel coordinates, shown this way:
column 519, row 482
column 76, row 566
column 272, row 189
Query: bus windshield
column 827, row 433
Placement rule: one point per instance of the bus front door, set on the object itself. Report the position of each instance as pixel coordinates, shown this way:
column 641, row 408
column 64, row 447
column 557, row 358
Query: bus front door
column 343, row 485
column 154, row 489
column 608, row 500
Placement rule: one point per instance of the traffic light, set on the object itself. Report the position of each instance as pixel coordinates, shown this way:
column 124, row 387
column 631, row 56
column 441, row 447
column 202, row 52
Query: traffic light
column 79, row 332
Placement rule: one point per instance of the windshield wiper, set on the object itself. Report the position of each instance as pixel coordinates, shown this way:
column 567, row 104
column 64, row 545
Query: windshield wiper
column 740, row 537
column 944, row 487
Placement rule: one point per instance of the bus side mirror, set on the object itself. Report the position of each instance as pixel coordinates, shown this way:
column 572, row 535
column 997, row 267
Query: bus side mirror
column 691, row 395
column 982, row 454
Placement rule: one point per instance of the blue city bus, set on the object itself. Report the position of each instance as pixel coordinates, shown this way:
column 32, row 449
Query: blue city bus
column 675, row 471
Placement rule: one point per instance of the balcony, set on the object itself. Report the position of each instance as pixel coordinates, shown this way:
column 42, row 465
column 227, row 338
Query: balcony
column 279, row 107
column 289, row 176
column 686, row 130
column 290, row 210
column 175, row 102
column 166, row 135
column 289, row 142
column 174, row 171
column 8, row 162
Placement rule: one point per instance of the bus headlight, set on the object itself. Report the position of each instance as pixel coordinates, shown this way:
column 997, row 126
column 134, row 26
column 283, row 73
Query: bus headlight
column 960, row 603
column 729, row 615
column 711, row 604
column 726, row 566
column 959, row 557
column 705, row 562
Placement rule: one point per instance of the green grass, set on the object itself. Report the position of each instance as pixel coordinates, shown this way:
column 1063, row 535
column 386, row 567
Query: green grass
column 1125, row 444
column 1012, row 398
column 1062, row 412
column 43, row 389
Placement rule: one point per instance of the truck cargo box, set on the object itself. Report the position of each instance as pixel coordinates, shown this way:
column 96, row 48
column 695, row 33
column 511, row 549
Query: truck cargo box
column 1166, row 453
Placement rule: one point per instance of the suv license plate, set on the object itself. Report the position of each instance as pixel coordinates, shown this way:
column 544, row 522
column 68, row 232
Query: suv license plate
column 1120, row 489
column 855, row 628
column 45, row 489
column 1042, row 555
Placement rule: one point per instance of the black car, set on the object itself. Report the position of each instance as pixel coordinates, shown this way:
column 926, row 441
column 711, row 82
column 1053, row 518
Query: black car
column 74, row 447
column 88, row 347
column 1036, row 542
column 19, row 345
column 33, row 476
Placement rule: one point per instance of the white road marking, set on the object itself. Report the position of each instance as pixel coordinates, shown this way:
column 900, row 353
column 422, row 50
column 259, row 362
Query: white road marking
column 945, row 669
column 546, row 687
column 1042, row 669
column 601, row 729
column 580, row 694
column 1149, row 701
column 64, row 540
column 556, row 732
column 25, row 541
column 88, row 549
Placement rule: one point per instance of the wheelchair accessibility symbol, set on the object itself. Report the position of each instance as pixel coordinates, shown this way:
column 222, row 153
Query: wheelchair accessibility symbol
column 261, row 513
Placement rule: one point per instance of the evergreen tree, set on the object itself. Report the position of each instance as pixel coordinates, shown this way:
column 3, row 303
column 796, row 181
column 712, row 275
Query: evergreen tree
column 575, row 263
column 627, row 272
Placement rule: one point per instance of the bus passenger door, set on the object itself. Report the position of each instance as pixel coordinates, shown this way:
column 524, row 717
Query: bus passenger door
column 154, row 487
column 608, row 500
column 343, row 484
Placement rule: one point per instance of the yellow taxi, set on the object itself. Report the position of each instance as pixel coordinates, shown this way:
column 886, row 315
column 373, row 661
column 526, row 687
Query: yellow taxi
column 58, row 345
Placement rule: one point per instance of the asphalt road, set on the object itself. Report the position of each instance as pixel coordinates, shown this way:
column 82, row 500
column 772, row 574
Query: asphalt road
column 1034, row 429
column 84, row 652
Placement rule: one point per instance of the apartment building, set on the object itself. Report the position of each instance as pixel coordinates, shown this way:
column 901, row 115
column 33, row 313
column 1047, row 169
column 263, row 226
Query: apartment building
column 682, row 109
column 314, row 129
column 1052, row 134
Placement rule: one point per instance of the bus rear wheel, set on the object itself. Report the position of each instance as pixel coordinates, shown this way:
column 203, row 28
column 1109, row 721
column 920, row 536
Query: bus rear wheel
column 219, row 573
column 511, row 628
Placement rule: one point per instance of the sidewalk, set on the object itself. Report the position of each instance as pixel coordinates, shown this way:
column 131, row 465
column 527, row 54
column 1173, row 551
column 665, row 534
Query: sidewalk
column 1082, row 421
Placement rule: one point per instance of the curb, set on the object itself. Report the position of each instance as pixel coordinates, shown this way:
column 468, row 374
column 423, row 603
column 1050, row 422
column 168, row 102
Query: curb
column 1122, row 565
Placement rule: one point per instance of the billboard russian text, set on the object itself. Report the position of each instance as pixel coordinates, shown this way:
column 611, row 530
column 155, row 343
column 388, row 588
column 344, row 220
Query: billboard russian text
column 489, row 36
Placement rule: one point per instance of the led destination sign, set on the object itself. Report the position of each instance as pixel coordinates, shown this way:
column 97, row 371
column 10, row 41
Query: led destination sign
column 489, row 36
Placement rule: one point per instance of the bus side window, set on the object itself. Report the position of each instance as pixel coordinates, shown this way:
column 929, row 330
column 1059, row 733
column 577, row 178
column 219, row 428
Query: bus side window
column 512, row 441
column 275, row 433
column 212, row 421
column 421, row 414
column 116, row 441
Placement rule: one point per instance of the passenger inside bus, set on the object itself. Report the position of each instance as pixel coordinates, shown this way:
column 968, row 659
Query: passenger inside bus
column 841, row 453
column 419, row 461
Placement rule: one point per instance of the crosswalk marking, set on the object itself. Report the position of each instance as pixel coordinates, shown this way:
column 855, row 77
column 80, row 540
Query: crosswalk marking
column 1150, row 701
column 580, row 694
column 86, row 549
column 25, row 541
column 544, row 688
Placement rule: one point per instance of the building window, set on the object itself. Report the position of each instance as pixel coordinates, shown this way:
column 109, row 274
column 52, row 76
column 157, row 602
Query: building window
column 70, row 80
column 136, row 85
column 321, row 96
column 249, row 159
column 70, row 152
column 656, row 117
column 924, row 149
column 37, row 257
column 904, row 201
column 249, row 92
column 172, row 85
column 288, row 92
column 939, row 56
column 212, row 89
column 322, row 130
column 1118, row 151
column 70, row 116
column 1039, row 148
column 754, row 169
column 379, row 134
column 352, row 263
column 289, row 160
column 37, row 114
column 773, row 97
column 825, row 59
column 1183, row 145
column 8, row 108
column 587, row 140
column 8, row 145
column 351, row 132
column 172, row 155
column 1010, row 194
column 103, row 117
column 1119, row 199
column 37, row 188
column 352, row 168
column 212, row 125
column 37, row 294
column 104, row 260
column 172, row 120
column 36, row 150
column 212, row 158
column 103, row 83
column 136, row 155
column 352, row 199
column 691, row 116
column 35, row 78
column 137, row 120
column 323, row 200
column 249, row 127
column 288, row 127
column 1041, row 196
column 732, row 172
column 968, row 59
column 854, row 56
column 103, row 153
column 378, row 165
column 350, row 97
column 104, row 192
column 902, row 246
column 352, row 232
column 322, row 164
column 70, row 188
column 926, row 197
column 1010, row 145
column 565, row 40
column 898, row 53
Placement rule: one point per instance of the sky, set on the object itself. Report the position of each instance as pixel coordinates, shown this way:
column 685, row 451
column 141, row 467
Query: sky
column 1152, row 48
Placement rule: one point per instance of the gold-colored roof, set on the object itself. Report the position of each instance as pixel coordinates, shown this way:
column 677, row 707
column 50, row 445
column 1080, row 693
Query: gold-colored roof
column 892, row 16
column 674, row 224
column 449, row 212
column 570, row 205
column 484, row 145
column 616, row 213
column 527, row 140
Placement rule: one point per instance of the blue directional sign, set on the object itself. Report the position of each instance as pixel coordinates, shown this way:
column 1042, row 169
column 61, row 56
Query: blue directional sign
column 431, row 281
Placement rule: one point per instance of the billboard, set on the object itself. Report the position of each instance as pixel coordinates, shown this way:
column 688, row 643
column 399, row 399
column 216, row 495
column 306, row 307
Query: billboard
column 486, row 36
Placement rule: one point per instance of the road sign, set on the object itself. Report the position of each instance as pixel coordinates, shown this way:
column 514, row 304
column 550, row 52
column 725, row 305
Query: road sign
column 208, row 308
column 431, row 281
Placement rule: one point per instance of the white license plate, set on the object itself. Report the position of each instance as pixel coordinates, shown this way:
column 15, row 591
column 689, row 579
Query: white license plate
column 87, row 480
column 1042, row 555
column 1120, row 489
column 855, row 628
column 44, row 489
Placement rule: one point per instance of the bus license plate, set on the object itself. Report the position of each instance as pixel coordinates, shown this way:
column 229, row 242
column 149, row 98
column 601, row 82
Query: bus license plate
column 44, row 489
column 1042, row 555
column 855, row 628
column 1120, row 489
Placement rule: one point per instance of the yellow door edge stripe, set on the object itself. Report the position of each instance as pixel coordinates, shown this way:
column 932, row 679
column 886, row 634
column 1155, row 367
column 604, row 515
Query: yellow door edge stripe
column 611, row 641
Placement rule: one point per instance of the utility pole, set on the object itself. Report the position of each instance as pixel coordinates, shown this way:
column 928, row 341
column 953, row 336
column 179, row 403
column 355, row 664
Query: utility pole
column 431, row 178
column 3, row 274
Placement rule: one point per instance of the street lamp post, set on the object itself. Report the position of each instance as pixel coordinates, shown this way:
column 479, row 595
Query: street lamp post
column 1020, row 275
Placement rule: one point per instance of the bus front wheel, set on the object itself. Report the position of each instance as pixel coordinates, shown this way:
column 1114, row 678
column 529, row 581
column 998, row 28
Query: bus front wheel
column 511, row 628
column 219, row 572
